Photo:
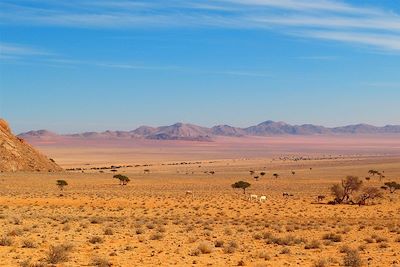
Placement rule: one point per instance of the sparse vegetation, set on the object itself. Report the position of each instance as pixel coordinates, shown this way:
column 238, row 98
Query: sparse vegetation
column 230, row 247
column 119, row 226
column 58, row 254
column 332, row 237
column 61, row 184
column 123, row 180
column 392, row 186
column 95, row 240
column 5, row 241
column 343, row 192
column 101, row 262
column 369, row 193
column 205, row 247
column 28, row 244
column 241, row 185
column 352, row 258
column 314, row 244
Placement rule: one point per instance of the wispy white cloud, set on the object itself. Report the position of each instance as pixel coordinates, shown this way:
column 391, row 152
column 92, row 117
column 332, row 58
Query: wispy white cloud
column 308, row 5
column 60, row 62
column 130, row 66
column 318, row 58
column 248, row 73
column 384, row 41
column 65, row 62
column 15, row 50
column 394, row 85
column 333, row 20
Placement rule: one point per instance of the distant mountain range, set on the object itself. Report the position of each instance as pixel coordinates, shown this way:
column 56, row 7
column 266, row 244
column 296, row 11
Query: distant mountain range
column 184, row 131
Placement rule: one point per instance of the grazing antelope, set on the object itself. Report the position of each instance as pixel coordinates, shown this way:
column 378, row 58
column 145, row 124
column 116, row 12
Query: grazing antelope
column 286, row 194
column 263, row 198
column 189, row 193
column 255, row 197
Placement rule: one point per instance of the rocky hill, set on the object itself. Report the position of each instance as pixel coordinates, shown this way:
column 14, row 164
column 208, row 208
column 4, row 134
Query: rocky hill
column 181, row 131
column 17, row 155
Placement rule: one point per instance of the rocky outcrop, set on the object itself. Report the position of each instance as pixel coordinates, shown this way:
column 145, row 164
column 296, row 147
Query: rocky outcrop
column 17, row 155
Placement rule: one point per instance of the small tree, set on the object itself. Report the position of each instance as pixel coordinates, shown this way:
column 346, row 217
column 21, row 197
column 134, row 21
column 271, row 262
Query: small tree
column 293, row 172
column 275, row 175
column 343, row 191
column 123, row 180
column 262, row 173
column 251, row 173
column 392, row 186
column 241, row 185
column 61, row 184
column 369, row 193
column 256, row 177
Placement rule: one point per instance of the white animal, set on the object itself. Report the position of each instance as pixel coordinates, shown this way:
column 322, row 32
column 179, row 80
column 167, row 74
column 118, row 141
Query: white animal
column 263, row 198
column 255, row 197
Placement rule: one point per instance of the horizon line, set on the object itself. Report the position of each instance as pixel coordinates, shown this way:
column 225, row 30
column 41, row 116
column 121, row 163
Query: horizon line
column 208, row 127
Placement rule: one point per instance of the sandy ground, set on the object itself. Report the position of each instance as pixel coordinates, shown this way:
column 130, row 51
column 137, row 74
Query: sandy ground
column 74, row 152
column 151, row 222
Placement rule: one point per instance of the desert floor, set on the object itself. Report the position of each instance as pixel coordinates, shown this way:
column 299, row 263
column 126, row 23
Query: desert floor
column 152, row 222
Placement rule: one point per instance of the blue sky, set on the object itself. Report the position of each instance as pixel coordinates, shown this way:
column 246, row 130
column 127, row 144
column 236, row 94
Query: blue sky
column 72, row 66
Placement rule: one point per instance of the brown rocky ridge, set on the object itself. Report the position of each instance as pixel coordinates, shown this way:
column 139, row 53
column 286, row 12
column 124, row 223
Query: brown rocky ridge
column 17, row 155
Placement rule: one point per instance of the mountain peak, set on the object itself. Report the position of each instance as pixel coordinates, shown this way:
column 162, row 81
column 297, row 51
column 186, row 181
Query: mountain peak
column 38, row 133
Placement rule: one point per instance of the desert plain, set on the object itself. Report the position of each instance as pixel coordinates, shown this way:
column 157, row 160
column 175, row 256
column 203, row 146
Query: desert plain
column 152, row 221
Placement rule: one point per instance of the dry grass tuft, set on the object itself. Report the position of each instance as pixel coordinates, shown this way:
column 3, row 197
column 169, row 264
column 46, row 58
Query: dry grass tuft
column 58, row 254
column 352, row 259
column 101, row 262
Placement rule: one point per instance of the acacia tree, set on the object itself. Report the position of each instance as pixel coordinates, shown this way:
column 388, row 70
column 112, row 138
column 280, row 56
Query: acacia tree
column 123, row 180
column 393, row 186
column 61, row 184
column 275, row 175
column 241, row 185
column 369, row 193
column 262, row 173
column 343, row 191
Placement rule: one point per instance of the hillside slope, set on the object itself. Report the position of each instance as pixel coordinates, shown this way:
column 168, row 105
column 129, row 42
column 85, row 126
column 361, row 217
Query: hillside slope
column 17, row 155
